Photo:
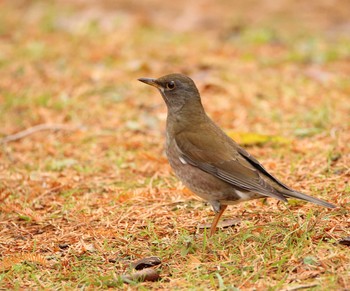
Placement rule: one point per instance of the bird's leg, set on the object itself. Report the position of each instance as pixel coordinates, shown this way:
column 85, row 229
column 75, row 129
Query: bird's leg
column 216, row 219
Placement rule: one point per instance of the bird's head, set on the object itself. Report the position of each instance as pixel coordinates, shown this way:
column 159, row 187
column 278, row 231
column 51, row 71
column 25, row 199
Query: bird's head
column 178, row 91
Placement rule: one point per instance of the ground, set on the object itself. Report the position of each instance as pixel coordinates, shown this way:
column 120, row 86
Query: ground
column 87, row 189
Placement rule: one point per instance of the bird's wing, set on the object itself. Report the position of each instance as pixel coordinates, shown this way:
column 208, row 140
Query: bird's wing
column 282, row 188
column 256, row 164
column 222, row 158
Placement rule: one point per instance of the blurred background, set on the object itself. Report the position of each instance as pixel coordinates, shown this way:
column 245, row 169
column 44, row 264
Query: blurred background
column 274, row 74
column 56, row 57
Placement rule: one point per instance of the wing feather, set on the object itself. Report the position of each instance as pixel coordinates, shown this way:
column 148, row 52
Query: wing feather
column 228, row 166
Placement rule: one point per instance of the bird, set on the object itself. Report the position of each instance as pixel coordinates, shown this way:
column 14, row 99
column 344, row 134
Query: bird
column 206, row 159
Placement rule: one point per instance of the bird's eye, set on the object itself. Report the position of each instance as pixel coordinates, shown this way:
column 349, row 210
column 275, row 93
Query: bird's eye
column 170, row 85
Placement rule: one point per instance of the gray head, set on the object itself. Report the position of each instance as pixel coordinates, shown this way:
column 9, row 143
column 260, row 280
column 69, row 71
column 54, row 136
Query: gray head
column 177, row 90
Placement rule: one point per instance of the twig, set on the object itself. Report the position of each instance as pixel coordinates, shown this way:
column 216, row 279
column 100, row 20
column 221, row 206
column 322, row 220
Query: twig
column 300, row 287
column 34, row 129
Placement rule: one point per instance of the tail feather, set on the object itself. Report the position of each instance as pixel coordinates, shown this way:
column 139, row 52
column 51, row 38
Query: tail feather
column 298, row 195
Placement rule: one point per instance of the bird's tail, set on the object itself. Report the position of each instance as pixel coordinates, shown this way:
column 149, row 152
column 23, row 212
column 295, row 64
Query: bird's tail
column 298, row 195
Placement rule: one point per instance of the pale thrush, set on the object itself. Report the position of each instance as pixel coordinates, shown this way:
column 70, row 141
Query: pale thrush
column 206, row 160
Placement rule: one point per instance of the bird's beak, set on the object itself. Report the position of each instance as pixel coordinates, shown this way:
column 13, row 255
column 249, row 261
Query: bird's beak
column 149, row 81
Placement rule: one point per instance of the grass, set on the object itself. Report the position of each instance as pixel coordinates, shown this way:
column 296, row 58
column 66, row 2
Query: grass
column 79, row 205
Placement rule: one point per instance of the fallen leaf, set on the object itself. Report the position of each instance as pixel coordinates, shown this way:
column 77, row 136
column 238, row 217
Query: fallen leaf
column 194, row 262
column 345, row 241
column 141, row 276
column 221, row 224
column 250, row 138
column 146, row 263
